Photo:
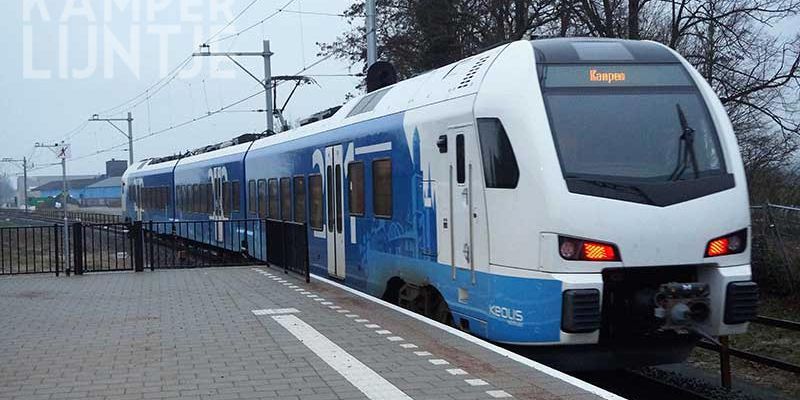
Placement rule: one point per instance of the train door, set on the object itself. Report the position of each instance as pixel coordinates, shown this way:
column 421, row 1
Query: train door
column 137, row 192
column 334, row 193
column 461, row 199
column 218, row 175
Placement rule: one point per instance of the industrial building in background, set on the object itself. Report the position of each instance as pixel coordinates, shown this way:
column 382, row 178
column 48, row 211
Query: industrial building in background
column 84, row 190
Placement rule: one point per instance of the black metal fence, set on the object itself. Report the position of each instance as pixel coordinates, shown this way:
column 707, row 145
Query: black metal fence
column 776, row 243
column 103, row 247
column 190, row 244
column 126, row 246
column 31, row 249
column 58, row 216
column 287, row 246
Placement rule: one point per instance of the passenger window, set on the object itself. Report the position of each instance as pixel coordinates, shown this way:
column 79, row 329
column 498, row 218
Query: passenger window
column 196, row 198
column 226, row 198
column 330, row 190
column 286, row 199
column 273, row 199
column 262, row 198
column 209, row 199
column 382, row 188
column 315, row 195
column 339, row 201
column 299, row 200
column 460, row 162
column 500, row 169
column 236, row 196
column 252, row 197
column 355, row 173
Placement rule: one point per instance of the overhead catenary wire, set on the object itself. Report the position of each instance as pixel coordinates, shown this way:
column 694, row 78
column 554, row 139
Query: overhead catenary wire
column 244, row 10
column 267, row 18
column 200, row 117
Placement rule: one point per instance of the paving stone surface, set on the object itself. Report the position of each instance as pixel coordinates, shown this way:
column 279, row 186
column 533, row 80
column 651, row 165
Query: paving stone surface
column 193, row 334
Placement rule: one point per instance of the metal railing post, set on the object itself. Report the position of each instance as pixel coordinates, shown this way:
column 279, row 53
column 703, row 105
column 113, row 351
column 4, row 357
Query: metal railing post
column 724, row 362
column 57, row 237
column 77, row 247
column 138, row 247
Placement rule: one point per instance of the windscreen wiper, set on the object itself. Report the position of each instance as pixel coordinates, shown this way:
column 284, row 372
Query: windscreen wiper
column 619, row 187
column 686, row 155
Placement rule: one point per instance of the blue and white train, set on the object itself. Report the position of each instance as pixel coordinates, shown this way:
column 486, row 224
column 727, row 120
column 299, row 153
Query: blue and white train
column 580, row 193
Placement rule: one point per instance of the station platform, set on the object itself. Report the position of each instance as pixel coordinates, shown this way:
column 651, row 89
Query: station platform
column 244, row 333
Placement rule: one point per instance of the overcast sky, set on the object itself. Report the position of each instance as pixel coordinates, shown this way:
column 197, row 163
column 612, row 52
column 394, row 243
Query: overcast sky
column 68, row 59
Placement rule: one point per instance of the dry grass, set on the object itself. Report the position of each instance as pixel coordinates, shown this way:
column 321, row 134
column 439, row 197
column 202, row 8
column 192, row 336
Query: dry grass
column 778, row 343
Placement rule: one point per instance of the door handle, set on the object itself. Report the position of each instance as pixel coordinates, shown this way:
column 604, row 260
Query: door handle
column 467, row 252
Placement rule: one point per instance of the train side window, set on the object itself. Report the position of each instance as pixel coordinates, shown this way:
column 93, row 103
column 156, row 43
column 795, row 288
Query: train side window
column 315, row 195
column 262, row 198
column 339, row 210
column 286, row 199
column 227, row 199
column 382, row 188
column 355, row 173
column 236, row 196
column 252, row 197
column 500, row 169
column 460, row 162
column 299, row 199
column 195, row 198
column 330, row 190
column 273, row 198
column 209, row 199
column 184, row 198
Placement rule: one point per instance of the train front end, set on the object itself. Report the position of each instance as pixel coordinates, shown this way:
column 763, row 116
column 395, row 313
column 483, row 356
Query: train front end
column 632, row 195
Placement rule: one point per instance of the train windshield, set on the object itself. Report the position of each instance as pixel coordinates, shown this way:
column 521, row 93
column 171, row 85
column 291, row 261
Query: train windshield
column 631, row 123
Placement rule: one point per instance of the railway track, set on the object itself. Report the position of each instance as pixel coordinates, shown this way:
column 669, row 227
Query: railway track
column 634, row 385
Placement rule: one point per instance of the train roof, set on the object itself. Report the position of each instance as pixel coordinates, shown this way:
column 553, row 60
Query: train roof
column 593, row 50
column 461, row 78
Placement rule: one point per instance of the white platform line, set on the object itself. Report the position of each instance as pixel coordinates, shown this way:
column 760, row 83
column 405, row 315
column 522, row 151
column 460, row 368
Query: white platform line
column 476, row 382
column 605, row 394
column 362, row 377
column 498, row 394
column 423, row 353
column 275, row 311
column 456, row 371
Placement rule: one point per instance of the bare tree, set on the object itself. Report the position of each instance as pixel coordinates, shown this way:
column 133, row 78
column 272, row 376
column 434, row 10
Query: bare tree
column 7, row 191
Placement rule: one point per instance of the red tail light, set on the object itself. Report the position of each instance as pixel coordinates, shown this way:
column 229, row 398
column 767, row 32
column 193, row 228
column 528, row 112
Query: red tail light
column 598, row 252
column 586, row 250
column 733, row 243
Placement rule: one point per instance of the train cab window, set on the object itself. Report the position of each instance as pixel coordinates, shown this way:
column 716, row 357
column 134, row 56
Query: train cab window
column 286, row 199
column 299, row 199
column 273, row 198
column 262, row 198
column 355, row 173
column 252, row 197
column 382, row 188
column 236, row 196
column 315, row 197
column 500, row 169
column 460, row 162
